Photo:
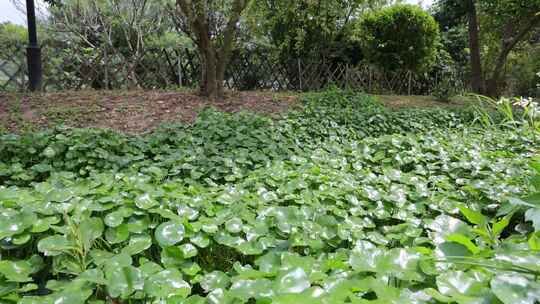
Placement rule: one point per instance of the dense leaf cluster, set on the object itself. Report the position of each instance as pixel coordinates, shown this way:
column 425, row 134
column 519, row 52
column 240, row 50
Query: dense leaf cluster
column 317, row 207
column 217, row 144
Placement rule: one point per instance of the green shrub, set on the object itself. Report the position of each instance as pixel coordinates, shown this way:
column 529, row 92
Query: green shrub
column 444, row 90
column 12, row 36
column 399, row 37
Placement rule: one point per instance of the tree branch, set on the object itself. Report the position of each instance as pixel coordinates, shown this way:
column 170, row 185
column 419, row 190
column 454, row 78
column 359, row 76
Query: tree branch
column 228, row 36
column 509, row 44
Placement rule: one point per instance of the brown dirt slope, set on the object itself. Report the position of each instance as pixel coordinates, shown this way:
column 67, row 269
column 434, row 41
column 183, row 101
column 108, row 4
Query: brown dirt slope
column 131, row 112
column 142, row 111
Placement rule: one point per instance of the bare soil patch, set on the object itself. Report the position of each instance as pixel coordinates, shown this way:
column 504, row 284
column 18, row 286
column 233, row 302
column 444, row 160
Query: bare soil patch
column 143, row 111
column 130, row 111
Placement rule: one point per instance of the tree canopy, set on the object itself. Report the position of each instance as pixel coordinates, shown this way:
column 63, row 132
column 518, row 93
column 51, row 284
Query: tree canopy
column 496, row 28
column 481, row 36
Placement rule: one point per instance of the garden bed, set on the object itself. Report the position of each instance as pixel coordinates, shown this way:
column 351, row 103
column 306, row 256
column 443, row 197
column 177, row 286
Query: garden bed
column 339, row 201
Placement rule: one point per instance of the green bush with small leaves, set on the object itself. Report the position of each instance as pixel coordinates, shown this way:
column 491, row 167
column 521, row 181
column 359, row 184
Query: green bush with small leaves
column 401, row 37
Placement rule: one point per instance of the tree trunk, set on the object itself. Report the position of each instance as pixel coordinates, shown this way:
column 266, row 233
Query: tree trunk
column 207, row 54
column 508, row 44
column 214, row 55
column 493, row 84
column 477, row 80
column 209, row 84
column 224, row 55
column 220, row 74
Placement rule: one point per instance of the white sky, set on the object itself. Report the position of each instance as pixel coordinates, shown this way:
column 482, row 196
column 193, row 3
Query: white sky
column 424, row 3
column 8, row 11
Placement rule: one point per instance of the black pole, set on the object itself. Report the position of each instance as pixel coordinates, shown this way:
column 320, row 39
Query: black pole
column 33, row 51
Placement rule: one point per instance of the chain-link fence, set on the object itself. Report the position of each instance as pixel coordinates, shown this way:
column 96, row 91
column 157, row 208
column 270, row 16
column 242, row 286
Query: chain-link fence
column 65, row 68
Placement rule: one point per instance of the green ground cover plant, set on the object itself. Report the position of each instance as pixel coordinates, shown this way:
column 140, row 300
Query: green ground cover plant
column 341, row 202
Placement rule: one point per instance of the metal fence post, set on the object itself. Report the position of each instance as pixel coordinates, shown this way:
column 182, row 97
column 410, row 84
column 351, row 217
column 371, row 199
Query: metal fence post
column 300, row 74
column 369, row 81
column 106, row 55
column 179, row 67
column 33, row 51
column 347, row 85
column 410, row 83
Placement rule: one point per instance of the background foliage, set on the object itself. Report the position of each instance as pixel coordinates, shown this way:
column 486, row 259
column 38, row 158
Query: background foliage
column 99, row 37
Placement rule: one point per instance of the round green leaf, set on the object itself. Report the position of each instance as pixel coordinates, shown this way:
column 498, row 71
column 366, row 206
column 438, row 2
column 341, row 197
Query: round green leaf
column 167, row 283
column 55, row 245
column 188, row 250
column 215, row 280
column 123, row 281
column 292, row 281
column 114, row 219
column 117, row 235
column 234, row 225
column 514, row 288
column 169, row 233
column 138, row 244
column 16, row 271
column 145, row 201
column 49, row 152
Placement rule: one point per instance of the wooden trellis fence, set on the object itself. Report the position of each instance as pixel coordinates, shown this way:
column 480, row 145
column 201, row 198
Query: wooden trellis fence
column 75, row 69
